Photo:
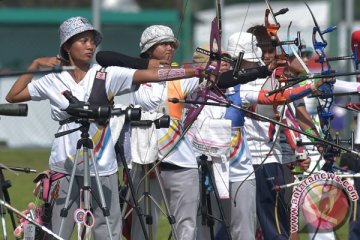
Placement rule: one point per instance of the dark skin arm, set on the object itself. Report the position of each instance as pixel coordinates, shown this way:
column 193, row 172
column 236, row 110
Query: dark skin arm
column 110, row 58
column 226, row 79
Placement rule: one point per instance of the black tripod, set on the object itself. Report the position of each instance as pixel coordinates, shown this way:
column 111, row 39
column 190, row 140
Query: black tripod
column 207, row 218
column 120, row 155
column 5, row 196
column 148, row 199
column 86, row 144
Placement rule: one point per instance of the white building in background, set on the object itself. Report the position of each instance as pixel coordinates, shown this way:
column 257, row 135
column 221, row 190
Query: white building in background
column 121, row 5
column 37, row 129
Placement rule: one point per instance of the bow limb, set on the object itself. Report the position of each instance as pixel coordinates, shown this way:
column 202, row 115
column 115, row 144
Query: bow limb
column 320, row 45
column 272, row 29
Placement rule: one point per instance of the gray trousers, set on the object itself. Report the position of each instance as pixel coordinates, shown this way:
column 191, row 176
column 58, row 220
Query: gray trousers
column 182, row 190
column 241, row 218
column 243, row 215
column 111, row 195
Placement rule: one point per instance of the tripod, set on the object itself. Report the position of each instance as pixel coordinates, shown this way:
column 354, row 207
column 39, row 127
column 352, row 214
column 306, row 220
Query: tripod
column 5, row 196
column 149, row 199
column 162, row 122
column 207, row 217
column 87, row 145
column 120, row 155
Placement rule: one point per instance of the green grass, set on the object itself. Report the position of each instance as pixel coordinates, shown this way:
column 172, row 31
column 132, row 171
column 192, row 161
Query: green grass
column 340, row 234
column 22, row 184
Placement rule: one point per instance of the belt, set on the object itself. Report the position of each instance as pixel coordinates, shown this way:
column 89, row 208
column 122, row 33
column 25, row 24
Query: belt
column 169, row 166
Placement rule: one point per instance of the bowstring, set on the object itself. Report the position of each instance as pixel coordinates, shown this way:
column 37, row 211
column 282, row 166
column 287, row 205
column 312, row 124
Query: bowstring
column 317, row 162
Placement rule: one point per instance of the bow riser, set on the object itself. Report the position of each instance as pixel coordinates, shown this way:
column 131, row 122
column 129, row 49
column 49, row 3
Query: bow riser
column 202, row 93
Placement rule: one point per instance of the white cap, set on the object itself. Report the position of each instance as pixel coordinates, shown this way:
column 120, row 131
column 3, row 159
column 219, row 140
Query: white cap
column 244, row 42
column 156, row 34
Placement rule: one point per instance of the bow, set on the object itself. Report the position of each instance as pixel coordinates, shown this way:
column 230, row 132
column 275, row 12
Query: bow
column 325, row 103
column 202, row 93
column 279, row 72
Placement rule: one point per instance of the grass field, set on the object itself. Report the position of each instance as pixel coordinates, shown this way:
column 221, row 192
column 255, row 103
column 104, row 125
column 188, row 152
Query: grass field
column 22, row 185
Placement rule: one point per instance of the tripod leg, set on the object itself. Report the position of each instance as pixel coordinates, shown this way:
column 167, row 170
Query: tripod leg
column 217, row 197
column 3, row 224
column 2, row 208
column 149, row 218
column 171, row 218
column 64, row 210
column 135, row 202
column 7, row 199
column 203, row 207
column 6, row 196
column 205, row 200
column 106, row 211
column 210, row 220
column 148, row 196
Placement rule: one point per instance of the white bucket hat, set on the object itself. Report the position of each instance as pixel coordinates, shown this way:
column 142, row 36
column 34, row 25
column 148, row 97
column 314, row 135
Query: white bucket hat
column 156, row 34
column 244, row 42
column 74, row 26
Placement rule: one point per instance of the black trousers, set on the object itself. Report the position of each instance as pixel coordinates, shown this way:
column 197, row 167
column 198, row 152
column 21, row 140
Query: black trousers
column 270, row 204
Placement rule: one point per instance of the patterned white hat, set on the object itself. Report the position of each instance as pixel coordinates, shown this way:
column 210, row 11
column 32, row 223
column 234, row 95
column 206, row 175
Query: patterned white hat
column 74, row 26
column 156, row 34
column 244, row 42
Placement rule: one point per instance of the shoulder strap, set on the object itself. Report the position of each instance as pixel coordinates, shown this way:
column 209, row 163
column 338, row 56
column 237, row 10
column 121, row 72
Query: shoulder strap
column 98, row 94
